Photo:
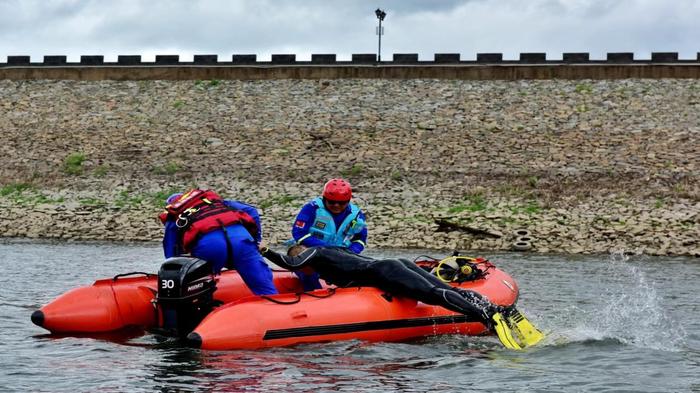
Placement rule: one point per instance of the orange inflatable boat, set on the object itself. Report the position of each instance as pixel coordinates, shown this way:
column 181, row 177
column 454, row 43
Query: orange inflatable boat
column 341, row 314
column 186, row 300
column 125, row 301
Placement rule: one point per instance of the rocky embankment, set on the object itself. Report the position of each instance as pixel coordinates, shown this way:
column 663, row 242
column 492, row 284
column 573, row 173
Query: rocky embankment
column 550, row 166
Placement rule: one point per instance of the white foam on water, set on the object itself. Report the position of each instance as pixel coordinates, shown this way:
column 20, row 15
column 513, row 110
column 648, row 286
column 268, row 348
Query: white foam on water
column 629, row 309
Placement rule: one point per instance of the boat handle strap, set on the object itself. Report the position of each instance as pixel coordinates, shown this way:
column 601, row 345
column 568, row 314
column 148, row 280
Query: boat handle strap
column 130, row 274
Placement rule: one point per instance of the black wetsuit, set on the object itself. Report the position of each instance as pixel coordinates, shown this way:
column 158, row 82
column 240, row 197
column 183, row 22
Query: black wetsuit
column 399, row 277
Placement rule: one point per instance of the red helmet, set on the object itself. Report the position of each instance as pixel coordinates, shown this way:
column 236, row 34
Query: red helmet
column 337, row 190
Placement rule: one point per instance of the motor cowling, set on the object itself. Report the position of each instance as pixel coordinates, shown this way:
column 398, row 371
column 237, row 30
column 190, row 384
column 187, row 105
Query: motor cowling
column 185, row 294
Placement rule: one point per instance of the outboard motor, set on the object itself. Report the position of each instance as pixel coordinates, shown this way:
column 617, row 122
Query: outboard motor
column 185, row 294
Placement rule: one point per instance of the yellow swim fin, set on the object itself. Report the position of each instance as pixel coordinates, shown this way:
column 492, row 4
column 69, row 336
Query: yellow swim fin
column 504, row 332
column 525, row 332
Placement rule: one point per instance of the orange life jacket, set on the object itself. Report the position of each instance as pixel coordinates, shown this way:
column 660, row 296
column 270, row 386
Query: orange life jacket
column 200, row 211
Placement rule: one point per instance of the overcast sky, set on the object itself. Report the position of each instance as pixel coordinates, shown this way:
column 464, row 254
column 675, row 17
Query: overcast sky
column 302, row 27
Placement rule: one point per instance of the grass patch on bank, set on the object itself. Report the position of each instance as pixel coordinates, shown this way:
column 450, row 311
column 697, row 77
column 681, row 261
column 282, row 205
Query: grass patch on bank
column 14, row 188
column 355, row 170
column 472, row 203
column 73, row 163
column 130, row 199
column 584, row 88
column 126, row 199
column 207, row 83
column 25, row 194
column 170, row 168
column 101, row 171
column 279, row 200
column 159, row 197
column 659, row 203
column 418, row 219
column 93, row 202
column 532, row 207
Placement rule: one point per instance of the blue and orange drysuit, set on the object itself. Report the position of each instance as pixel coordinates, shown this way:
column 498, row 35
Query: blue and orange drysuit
column 316, row 226
column 230, row 246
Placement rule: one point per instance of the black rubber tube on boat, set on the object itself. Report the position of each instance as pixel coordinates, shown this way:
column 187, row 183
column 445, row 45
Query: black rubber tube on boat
column 38, row 318
column 194, row 340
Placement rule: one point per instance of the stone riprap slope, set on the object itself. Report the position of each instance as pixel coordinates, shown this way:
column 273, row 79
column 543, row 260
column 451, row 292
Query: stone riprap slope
column 576, row 166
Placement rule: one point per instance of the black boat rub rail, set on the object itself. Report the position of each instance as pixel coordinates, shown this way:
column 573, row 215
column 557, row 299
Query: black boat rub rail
column 365, row 326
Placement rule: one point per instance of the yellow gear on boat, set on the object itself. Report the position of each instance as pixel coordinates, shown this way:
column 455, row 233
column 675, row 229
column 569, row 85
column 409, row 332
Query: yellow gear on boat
column 450, row 265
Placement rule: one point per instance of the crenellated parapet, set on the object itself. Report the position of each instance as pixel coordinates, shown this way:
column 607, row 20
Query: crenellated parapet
column 356, row 59
column 536, row 65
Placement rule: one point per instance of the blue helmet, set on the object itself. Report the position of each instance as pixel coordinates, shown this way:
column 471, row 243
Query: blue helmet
column 172, row 198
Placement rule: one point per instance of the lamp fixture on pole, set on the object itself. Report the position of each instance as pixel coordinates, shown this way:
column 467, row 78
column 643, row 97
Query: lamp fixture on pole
column 380, row 31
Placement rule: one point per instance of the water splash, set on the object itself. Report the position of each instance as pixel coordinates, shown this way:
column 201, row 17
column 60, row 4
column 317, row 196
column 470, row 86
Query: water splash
column 629, row 310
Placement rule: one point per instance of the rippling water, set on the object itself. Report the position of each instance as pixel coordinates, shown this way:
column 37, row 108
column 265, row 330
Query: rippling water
column 615, row 324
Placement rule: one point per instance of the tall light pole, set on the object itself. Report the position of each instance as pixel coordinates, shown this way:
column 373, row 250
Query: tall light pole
column 380, row 15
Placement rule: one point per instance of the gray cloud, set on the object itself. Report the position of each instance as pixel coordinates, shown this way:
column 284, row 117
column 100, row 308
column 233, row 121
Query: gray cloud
column 302, row 27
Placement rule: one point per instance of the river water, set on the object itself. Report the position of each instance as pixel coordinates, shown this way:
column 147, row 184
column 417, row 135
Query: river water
column 613, row 323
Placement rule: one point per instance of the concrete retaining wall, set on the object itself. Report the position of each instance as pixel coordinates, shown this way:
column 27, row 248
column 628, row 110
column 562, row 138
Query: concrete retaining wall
column 580, row 166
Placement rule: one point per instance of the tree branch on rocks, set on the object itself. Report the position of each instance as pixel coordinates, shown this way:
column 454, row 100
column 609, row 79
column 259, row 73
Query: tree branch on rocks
column 447, row 226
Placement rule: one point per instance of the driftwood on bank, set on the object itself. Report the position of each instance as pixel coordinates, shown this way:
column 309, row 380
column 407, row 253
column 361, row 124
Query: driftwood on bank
column 447, row 226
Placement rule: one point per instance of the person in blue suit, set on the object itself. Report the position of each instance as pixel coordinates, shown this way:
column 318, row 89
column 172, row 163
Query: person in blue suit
column 330, row 220
column 225, row 233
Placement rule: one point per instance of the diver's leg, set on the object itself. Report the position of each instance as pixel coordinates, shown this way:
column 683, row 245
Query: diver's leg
column 430, row 277
column 399, row 278
column 476, row 299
